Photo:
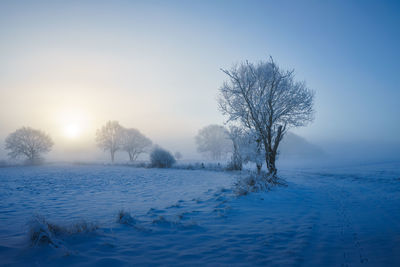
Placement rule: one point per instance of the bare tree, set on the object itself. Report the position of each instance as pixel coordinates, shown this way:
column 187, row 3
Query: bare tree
column 236, row 135
column 134, row 143
column 251, row 149
column 268, row 100
column 29, row 143
column 109, row 137
column 213, row 139
column 246, row 148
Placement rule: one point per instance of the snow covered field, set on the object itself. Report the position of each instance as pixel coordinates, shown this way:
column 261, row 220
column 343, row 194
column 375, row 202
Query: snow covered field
column 325, row 217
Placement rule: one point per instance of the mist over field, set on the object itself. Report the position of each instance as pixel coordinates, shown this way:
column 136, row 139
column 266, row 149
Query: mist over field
column 156, row 66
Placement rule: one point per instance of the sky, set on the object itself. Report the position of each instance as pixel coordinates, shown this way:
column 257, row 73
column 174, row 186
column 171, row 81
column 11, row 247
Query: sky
column 155, row 66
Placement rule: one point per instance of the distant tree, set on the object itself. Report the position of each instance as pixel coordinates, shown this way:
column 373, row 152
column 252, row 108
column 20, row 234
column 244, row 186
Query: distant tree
column 252, row 150
column 29, row 143
column 178, row 155
column 213, row 139
column 236, row 135
column 246, row 148
column 109, row 137
column 134, row 143
column 161, row 158
column 264, row 98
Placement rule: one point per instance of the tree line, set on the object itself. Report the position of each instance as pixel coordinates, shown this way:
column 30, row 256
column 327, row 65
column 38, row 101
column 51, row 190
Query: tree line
column 30, row 144
column 113, row 137
column 260, row 101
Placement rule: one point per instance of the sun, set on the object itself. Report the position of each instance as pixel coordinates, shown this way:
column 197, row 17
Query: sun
column 72, row 122
column 72, row 130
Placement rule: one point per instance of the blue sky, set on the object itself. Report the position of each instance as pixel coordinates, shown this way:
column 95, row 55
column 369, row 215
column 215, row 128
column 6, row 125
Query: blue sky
column 154, row 65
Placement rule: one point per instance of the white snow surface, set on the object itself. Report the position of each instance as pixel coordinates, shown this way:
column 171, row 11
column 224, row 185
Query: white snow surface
column 324, row 217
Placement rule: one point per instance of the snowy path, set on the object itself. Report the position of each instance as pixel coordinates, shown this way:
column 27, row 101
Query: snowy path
column 342, row 217
column 358, row 221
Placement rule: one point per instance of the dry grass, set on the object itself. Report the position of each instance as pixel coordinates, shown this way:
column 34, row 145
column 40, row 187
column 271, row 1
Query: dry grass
column 254, row 182
column 124, row 217
column 43, row 232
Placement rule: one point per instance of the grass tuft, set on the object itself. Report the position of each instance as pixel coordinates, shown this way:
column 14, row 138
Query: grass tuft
column 43, row 232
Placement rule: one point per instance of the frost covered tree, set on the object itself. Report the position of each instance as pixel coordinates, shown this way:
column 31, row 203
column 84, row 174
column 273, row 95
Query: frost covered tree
column 251, row 149
column 267, row 99
column 237, row 136
column 213, row 139
column 134, row 143
column 109, row 137
column 29, row 143
column 246, row 148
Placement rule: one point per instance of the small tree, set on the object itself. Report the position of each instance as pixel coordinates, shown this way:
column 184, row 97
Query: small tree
column 109, row 137
column 29, row 143
column 246, row 148
column 236, row 135
column 251, row 149
column 213, row 139
column 161, row 158
column 266, row 99
column 134, row 143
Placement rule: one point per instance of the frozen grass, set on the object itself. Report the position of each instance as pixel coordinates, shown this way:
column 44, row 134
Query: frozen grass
column 43, row 232
column 256, row 182
column 183, row 166
column 124, row 217
column 201, row 166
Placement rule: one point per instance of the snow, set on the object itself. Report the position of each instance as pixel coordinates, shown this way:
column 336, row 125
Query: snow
column 324, row 217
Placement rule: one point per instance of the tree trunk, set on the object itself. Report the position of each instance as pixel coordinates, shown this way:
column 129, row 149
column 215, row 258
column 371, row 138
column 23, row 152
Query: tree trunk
column 269, row 158
column 271, row 164
column 259, row 166
column 270, row 161
column 112, row 156
column 236, row 160
column 272, row 152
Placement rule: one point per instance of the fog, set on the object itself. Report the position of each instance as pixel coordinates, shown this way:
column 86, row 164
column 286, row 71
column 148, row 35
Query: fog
column 155, row 66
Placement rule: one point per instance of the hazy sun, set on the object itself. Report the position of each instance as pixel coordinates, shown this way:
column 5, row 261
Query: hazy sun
column 72, row 122
column 72, row 130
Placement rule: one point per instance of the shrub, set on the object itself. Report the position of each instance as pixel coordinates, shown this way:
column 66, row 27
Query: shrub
column 257, row 182
column 43, row 232
column 161, row 158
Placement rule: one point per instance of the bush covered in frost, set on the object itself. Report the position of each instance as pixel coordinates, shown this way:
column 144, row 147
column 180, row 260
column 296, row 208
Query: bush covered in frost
column 257, row 182
column 160, row 158
column 43, row 232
